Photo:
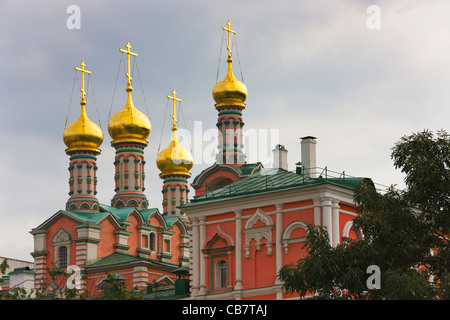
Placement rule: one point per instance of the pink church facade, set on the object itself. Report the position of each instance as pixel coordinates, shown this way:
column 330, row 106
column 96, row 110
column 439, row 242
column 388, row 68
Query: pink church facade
column 241, row 235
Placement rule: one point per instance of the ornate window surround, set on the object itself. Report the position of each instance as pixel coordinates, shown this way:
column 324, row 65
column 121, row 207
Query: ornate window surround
column 61, row 239
column 258, row 233
column 216, row 255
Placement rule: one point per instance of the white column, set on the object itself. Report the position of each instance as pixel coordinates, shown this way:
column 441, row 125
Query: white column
column 279, row 232
column 327, row 217
column 317, row 212
column 202, row 290
column 336, row 237
column 195, row 258
column 238, row 250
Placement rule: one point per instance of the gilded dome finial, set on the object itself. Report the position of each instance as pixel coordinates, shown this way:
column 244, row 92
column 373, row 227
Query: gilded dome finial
column 83, row 71
column 174, row 160
column 83, row 134
column 230, row 91
column 128, row 74
column 229, row 39
column 129, row 124
column 174, row 115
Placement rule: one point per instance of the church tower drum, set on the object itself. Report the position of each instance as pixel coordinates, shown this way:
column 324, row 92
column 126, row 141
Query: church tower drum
column 129, row 128
column 230, row 95
column 174, row 162
column 83, row 138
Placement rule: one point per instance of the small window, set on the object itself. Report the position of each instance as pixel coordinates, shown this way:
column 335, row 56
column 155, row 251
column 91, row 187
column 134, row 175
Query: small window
column 152, row 242
column 221, row 274
column 62, row 257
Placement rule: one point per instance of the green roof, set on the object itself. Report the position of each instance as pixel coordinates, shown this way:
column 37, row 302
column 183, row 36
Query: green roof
column 22, row 270
column 93, row 217
column 119, row 259
column 271, row 180
column 122, row 213
column 248, row 168
column 243, row 171
column 114, row 259
column 117, row 214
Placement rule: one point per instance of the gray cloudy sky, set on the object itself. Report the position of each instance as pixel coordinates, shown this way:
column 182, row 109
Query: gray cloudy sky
column 311, row 68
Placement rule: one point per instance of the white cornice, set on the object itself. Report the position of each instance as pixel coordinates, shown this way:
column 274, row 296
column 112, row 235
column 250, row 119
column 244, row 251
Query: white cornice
column 326, row 190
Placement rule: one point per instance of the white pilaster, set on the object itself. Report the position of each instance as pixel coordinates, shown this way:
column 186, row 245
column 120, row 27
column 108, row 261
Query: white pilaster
column 279, row 232
column 238, row 250
column 336, row 237
column 202, row 290
column 195, row 258
column 317, row 212
column 327, row 217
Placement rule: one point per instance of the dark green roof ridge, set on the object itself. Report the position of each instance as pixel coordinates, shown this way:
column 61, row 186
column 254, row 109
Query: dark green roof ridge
column 271, row 180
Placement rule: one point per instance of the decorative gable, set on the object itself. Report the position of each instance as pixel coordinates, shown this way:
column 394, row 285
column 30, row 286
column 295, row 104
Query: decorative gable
column 258, row 227
column 61, row 237
column 218, row 242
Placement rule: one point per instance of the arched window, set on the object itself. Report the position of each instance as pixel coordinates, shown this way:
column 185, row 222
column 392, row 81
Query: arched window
column 221, row 274
column 61, row 242
column 152, row 241
column 62, row 257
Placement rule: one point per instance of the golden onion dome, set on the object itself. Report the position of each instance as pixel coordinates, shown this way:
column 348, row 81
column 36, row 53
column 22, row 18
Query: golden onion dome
column 129, row 124
column 230, row 91
column 174, row 160
column 83, row 134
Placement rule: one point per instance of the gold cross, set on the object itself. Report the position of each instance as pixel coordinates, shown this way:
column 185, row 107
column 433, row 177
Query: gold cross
column 174, row 126
column 128, row 52
column 83, row 71
column 229, row 37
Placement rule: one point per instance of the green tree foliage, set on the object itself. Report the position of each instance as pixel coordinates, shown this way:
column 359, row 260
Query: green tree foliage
column 115, row 289
column 406, row 234
column 55, row 288
column 3, row 266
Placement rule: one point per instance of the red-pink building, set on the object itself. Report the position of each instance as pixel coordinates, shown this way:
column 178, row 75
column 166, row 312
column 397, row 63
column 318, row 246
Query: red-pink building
column 243, row 233
column 129, row 237
column 246, row 222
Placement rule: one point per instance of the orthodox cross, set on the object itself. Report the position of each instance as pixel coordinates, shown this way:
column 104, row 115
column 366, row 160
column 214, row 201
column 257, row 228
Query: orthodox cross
column 83, row 71
column 175, row 99
column 229, row 37
column 128, row 52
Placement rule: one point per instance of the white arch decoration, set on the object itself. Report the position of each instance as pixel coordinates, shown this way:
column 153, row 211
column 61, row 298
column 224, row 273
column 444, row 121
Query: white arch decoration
column 258, row 233
column 258, row 215
column 346, row 230
column 286, row 236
